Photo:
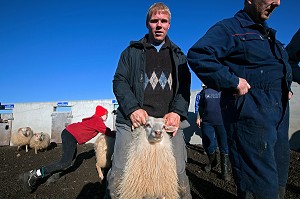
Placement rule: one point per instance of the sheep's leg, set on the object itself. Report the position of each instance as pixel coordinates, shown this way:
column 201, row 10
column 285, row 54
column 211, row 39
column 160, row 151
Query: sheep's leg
column 99, row 172
column 26, row 148
column 35, row 150
column 18, row 149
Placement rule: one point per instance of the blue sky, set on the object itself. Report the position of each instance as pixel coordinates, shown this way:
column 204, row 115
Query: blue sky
column 65, row 50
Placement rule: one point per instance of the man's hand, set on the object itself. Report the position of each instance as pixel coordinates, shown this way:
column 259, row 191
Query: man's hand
column 243, row 87
column 290, row 95
column 138, row 118
column 172, row 119
column 198, row 122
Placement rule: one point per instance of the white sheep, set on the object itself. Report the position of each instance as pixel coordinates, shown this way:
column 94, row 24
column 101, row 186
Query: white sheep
column 22, row 137
column 39, row 141
column 150, row 170
column 104, row 147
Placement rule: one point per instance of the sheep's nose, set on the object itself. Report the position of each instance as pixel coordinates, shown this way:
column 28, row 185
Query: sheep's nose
column 157, row 133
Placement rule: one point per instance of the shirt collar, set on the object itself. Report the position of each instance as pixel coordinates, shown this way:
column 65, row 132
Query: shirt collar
column 246, row 21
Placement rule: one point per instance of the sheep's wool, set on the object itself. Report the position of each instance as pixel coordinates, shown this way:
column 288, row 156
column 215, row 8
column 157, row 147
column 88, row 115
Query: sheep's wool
column 39, row 141
column 22, row 137
column 150, row 171
column 104, row 147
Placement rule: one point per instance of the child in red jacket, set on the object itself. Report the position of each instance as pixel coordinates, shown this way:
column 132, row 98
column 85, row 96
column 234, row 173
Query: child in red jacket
column 80, row 133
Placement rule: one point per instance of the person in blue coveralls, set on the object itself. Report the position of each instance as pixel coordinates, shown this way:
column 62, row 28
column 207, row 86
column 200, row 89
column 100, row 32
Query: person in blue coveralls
column 293, row 49
column 213, row 131
column 241, row 57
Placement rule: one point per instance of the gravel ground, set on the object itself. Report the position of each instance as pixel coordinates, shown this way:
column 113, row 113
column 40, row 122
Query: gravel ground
column 81, row 180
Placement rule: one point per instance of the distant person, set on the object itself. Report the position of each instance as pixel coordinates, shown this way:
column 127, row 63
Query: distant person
column 152, row 78
column 293, row 49
column 213, row 130
column 241, row 57
column 1, row 108
column 73, row 134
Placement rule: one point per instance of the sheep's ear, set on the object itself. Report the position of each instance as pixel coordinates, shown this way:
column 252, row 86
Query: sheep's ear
column 170, row 129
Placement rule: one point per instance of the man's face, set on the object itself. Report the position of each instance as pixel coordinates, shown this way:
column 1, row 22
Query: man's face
column 262, row 9
column 158, row 26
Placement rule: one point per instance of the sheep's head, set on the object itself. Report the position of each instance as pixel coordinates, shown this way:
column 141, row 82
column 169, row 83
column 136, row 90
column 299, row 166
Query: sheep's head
column 156, row 129
column 39, row 136
column 26, row 131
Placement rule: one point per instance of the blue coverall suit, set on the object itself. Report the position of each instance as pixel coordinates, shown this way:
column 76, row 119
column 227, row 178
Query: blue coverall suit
column 256, row 123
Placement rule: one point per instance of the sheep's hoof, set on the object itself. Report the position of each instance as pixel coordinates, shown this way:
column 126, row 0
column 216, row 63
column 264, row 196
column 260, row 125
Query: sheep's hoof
column 101, row 177
column 100, row 172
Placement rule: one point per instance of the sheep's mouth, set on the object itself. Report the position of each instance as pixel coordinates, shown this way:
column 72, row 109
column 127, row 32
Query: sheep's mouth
column 26, row 134
column 154, row 140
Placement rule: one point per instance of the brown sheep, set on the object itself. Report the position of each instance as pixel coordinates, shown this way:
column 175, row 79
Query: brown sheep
column 40, row 141
column 104, row 147
column 22, row 137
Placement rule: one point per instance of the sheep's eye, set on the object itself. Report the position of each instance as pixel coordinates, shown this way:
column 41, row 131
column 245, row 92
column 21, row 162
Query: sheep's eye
column 148, row 125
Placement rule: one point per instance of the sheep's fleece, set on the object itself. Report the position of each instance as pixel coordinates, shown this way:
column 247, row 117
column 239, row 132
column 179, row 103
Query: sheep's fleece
column 150, row 170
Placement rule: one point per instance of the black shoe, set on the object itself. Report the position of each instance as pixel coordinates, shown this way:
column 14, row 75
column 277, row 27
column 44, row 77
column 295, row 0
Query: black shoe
column 212, row 162
column 29, row 180
column 225, row 167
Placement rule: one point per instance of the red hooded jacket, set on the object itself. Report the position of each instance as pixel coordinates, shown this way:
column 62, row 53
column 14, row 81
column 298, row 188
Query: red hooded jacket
column 88, row 128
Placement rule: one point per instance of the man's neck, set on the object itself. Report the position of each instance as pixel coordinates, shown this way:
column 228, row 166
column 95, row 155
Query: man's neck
column 158, row 46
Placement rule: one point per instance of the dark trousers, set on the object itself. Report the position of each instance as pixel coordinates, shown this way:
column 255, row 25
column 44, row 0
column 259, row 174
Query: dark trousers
column 257, row 127
column 213, row 134
column 69, row 152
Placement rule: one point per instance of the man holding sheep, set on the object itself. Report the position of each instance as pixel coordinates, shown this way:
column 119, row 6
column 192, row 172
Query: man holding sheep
column 152, row 78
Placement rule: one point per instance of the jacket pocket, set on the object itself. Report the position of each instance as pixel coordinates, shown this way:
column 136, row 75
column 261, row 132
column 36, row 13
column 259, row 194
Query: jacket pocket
column 256, row 47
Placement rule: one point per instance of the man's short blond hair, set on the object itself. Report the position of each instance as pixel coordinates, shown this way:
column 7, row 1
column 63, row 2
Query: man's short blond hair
column 158, row 7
